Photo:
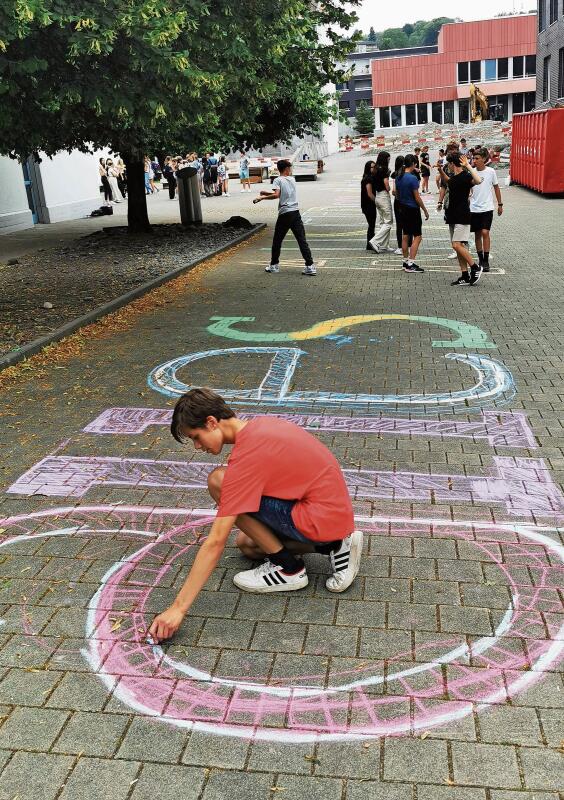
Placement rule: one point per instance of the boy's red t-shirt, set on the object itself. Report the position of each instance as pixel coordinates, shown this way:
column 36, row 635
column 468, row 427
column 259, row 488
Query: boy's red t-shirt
column 273, row 457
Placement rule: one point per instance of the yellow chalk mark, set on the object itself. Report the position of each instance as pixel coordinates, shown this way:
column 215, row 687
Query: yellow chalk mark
column 330, row 326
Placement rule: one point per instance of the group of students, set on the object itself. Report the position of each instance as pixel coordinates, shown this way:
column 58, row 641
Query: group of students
column 213, row 176
column 466, row 188
column 113, row 178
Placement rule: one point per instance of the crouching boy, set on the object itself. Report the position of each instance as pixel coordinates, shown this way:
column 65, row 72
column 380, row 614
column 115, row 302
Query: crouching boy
column 284, row 491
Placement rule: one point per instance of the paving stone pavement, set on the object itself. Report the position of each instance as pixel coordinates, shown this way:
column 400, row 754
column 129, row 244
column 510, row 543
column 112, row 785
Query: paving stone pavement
column 438, row 674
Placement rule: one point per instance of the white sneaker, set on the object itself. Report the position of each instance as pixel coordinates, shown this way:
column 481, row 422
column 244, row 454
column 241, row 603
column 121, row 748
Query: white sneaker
column 398, row 251
column 311, row 270
column 242, row 191
column 389, row 250
column 452, row 255
column 269, row 578
column 272, row 268
column 226, row 194
column 345, row 563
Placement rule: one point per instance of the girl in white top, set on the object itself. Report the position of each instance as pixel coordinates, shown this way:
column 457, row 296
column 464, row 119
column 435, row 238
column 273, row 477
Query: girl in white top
column 113, row 173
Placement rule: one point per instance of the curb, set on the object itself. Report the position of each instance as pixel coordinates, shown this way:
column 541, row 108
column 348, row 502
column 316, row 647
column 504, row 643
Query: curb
column 101, row 311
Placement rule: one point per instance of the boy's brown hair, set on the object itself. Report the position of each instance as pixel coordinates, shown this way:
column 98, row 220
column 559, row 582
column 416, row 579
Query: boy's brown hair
column 193, row 409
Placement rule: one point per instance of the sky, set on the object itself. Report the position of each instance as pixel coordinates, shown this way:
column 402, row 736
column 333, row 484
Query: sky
column 396, row 14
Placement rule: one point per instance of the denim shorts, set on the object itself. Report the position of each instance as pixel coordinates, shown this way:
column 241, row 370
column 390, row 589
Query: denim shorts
column 244, row 174
column 277, row 515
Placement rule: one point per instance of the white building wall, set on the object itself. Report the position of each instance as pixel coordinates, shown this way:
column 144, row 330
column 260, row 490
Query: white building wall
column 14, row 208
column 70, row 186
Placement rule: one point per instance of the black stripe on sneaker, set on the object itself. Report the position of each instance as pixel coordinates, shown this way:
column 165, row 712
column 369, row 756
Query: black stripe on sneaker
column 266, row 579
column 281, row 578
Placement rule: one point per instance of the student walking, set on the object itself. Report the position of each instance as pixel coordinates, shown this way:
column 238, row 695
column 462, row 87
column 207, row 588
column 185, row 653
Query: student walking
column 244, row 165
column 289, row 218
column 282, row 488
column 460, row 181
column 411, row 206
column 381, row 187
column 482, row 206
column 367, row 204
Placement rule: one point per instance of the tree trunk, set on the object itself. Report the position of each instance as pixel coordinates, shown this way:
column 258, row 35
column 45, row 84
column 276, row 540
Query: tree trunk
column 137, row 217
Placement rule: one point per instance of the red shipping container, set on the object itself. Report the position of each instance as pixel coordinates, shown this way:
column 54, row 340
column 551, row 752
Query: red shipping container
column 537, row 150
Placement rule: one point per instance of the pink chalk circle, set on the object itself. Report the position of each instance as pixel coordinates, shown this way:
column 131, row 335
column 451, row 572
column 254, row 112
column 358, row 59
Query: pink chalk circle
column 444, row 678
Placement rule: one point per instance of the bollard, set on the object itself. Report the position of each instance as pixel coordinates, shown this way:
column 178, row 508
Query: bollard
column 189, row 196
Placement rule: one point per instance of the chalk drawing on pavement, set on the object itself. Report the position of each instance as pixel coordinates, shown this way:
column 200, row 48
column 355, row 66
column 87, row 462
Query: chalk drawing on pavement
column 148, row 679
column 498, row 429
column 494, row 384
column 468, row 336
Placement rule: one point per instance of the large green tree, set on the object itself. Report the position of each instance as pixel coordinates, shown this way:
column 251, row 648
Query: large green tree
column 147, row 76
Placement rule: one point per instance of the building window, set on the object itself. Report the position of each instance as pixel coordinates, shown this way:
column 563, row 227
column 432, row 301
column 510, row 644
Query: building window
column 449, row 112
column 502, row 69
column 344, row 104
column 499, row 107
column 542, row 14
column 410, row 118
column 464, row 111
column 561, row 72
column 546, row 79
column 437, row 113
column 490, row 69
column 396, row 116
column 531, row 66
column 422, row 117
column 518, row 101
column 385, row 117
column 553, row 12
column 518, row 62
column 463, row 72
column 475, row 71
column 530, row 101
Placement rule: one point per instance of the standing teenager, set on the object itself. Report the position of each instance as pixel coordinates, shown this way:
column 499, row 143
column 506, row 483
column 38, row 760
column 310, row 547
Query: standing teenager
column 411, row 206
column 460, row 181
column 244, row 165
column 425, row 162
column 381, row 185
column 289, row 218
column 284, row 491
column 482, row 206
column 367, row 205
column 398, row 168
column 105, row 182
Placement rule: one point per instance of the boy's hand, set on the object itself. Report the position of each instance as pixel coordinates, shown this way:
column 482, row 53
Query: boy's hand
column 257, row 200
column 426, row 214
column 166, row 624
column 464, row 162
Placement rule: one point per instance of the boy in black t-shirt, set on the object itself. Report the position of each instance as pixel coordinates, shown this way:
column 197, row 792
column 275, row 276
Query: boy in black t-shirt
column 460, row 181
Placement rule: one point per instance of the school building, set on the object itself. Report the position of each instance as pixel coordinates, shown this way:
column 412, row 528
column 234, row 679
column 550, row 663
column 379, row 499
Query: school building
column 498, row 54
column 415, row 86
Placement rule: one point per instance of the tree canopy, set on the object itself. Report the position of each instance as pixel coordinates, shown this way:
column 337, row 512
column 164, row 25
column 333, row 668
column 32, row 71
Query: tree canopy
column 147, row 76
column 414, row 34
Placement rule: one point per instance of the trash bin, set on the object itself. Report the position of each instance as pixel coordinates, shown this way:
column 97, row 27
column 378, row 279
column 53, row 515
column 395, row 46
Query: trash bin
column 189, row 196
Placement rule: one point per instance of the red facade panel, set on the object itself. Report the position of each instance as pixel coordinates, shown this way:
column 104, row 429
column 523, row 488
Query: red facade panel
column 425, row 78
column 537, row 150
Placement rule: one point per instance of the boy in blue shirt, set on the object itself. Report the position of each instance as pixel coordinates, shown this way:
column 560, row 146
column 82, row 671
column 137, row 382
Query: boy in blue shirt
column 407, row 192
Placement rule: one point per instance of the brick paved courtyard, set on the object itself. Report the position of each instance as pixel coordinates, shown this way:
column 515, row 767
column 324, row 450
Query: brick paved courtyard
column 438, row 674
